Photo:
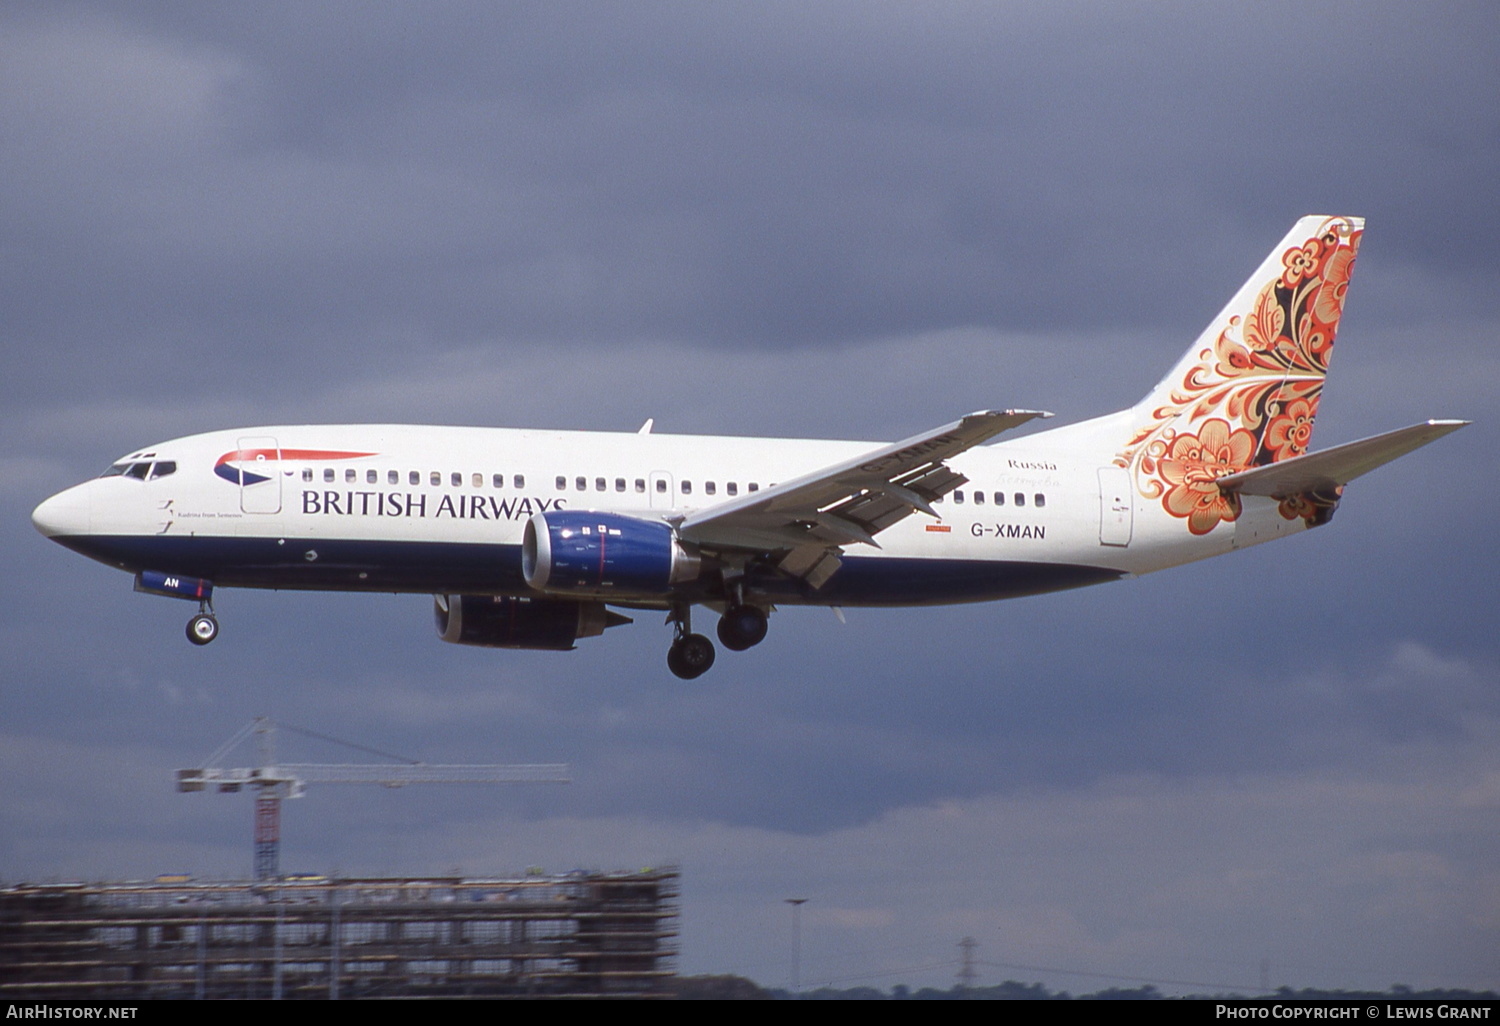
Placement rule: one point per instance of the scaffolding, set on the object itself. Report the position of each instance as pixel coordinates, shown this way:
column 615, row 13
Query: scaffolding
column 580, row 935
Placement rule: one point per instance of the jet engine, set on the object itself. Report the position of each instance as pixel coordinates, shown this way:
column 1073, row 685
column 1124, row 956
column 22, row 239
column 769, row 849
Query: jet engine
column 500, row 621
column 577, row 552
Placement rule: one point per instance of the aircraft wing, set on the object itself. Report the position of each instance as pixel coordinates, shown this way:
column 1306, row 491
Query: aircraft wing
column 1337, row 466
column 809, row 518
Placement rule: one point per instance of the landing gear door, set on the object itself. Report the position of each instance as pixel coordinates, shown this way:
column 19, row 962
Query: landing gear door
column 258, row 463
column 1116, row 509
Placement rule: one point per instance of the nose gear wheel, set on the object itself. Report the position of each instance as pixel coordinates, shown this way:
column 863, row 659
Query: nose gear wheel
column 202, row 628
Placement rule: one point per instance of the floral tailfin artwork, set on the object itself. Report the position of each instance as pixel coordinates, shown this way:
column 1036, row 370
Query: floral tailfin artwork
column 1246, row 394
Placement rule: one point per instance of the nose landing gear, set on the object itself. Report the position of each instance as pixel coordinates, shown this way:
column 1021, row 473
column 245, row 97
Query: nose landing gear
column 204, row 627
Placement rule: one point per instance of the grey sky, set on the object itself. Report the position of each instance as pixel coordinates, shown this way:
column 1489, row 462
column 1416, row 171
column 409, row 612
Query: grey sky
column 843, row 220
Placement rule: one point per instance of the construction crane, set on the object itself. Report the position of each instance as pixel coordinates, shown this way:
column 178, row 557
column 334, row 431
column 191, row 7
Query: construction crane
column 273, row 782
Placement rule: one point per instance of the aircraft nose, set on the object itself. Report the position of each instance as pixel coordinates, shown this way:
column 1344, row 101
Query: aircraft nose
column 65, row 514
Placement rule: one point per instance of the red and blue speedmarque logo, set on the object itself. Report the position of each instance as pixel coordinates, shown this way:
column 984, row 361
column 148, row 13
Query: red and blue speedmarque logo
column 234, row 465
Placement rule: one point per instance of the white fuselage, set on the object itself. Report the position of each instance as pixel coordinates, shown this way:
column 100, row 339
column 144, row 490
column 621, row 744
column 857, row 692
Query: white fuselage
column 354, row 507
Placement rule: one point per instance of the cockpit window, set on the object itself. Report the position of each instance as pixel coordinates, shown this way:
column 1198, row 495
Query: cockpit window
column 143, row 470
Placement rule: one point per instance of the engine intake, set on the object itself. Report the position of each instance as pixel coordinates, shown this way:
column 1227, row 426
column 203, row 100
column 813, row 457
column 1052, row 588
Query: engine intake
column 577, row 552
column 501, row 621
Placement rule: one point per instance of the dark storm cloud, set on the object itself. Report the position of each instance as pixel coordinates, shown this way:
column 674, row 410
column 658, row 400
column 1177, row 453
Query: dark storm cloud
column 765, row 176
column 849, row 220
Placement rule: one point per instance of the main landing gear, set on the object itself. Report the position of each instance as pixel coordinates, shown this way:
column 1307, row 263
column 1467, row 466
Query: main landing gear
column 691, row 655
column 742, row 627
column 204, row 627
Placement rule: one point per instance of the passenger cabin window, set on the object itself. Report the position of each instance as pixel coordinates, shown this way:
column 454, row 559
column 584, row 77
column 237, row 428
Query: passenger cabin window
column 328, row 475
column 661, row 486
column 477, row 480
column 562, row 483
column 1020, row 499
column 456, row 479
column 979, row 498
column 999, row 498
column 1039, row 500
column 958, row 497
column 754, row 487
column 640, row 484
column 435, row 478
column 372, row 477
column 307, row 473
column 519, row 480
column 393, row 477
column 599, row 484
column 498, row 481
column 687, row 488
column 709, row 488
column 732, row 488
column 414, row 477
column 350, row 474
column 581, row 483
column 619, row 484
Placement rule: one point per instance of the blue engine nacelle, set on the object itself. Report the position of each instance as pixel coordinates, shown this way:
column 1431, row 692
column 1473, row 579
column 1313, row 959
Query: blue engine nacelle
column 500, row 621
column 576, row 552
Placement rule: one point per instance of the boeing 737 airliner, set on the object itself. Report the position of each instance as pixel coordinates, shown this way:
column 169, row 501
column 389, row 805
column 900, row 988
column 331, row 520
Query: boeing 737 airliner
column 526, row 538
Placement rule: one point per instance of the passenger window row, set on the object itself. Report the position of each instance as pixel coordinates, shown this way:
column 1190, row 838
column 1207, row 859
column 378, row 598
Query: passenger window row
column 1039, row 499
column 413, row 478
column 456, row 479
column 601, row 484
column 146, row 470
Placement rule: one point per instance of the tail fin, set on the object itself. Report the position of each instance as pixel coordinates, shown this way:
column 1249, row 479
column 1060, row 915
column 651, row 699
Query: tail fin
column 1245, row 395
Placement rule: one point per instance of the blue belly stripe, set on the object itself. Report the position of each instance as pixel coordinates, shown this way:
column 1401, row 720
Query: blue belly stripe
column 456, row 567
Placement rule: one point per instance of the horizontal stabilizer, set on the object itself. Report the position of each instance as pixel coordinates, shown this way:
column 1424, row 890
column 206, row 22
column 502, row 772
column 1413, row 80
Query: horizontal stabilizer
column 1337, row 466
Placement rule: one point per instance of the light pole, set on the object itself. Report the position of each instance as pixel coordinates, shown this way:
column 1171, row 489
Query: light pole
column 796, row 904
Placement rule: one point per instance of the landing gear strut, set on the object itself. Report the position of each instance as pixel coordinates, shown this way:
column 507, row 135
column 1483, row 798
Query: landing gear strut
column 204, row 627
column 742, row 627
column 691, row 654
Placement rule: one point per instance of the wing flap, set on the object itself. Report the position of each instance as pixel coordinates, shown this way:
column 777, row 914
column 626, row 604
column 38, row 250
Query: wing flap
column 850, row 502
column 1331, row 468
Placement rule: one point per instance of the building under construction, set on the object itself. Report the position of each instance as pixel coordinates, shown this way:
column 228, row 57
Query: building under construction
column 575, row 936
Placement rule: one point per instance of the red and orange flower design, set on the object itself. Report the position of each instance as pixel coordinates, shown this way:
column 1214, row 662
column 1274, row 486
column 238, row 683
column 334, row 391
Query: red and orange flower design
column 1251, row 398
column 1191, row 466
